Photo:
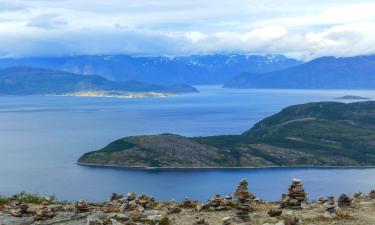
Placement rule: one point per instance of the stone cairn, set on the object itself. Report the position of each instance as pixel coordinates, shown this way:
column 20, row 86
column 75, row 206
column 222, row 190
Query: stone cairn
column 274, row 212
column 321, row 200
column 45, row 212
column 330, row 207
column 344, row 201
column 17, row 209
column 187, row 203
column 82, row 206
column 296, row 197
column 359, row 196
column 372, row 194
column 244, row 200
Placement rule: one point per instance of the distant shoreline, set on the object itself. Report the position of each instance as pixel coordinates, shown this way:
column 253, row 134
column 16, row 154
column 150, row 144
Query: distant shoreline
column 225, row 168
column 103, row 94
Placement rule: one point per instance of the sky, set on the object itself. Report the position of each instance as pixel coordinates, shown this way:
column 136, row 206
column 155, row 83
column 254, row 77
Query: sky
column 297, row 28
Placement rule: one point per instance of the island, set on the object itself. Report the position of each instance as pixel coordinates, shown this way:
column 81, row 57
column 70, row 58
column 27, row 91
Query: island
column 23, row 80
column 312, row 134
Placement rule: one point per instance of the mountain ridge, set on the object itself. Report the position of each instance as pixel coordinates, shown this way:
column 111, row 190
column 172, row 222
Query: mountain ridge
column 195, row 69
column 23, row 80
column 321, row 73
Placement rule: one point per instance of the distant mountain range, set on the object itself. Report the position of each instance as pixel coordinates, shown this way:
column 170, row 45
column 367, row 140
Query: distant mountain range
column 21, row 80
column 312, row 134
column 322, row 73
column 198, row 69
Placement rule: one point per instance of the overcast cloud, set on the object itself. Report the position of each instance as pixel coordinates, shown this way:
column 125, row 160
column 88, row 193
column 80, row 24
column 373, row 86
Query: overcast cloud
column 298, row 28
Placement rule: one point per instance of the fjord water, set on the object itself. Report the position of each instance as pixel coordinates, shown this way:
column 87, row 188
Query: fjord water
column 42, row 137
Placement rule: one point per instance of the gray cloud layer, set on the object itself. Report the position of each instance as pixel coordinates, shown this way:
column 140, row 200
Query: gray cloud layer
column 299, row 28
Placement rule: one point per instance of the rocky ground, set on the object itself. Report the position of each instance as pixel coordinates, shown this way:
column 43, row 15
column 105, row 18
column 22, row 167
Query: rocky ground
column 241, row 209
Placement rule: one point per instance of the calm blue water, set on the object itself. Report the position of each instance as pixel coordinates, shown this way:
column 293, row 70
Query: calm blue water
column 42, row 137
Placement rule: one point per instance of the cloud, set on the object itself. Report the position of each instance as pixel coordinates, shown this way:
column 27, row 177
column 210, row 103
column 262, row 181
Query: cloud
column 299, row 28
column 47, row 21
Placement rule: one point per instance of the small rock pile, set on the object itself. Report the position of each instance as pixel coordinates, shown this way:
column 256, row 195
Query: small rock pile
column 187, row 203
column 200, row 221
column 372, row 194
column 321, row 200
column 44, row 213
column 244, row 200
column 274, row 212
column 173, row 208
column 292, row 220
column 296, row 197
column 226, row 221
column 216, row 203
column 359, row 195
column 344, row 201
column 82, row 206
column 330, row 207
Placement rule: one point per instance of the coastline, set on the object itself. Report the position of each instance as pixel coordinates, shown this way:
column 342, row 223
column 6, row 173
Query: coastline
column 223, row 168
column 125, row 95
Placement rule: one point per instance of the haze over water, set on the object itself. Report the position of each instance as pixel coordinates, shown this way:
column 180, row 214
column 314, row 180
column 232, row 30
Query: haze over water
column 42, row 137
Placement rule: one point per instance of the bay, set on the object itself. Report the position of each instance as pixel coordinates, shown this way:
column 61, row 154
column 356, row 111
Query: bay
column 41, row 137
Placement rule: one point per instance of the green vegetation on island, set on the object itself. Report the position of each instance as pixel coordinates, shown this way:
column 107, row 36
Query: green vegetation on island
column 312, row 134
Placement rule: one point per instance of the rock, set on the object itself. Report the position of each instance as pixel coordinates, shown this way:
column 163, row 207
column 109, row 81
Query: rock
column 200, row 221
column 292, row 220
column 97, row 219
column 274, row 212
column 226, row 221
column 296, row 196
column 344, row 201
column 10, row 220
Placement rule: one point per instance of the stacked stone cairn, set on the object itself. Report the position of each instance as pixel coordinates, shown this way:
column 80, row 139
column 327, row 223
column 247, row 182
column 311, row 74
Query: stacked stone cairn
column 15, row 208
column 115, row 197
column 45, row 212
column 372, row 194
column 344, row 201
column 274, row 212
column 359, row 195
column 244, row 200
column 173, row 208
column 321, row 200
column 187, row 203
column 296, row 197
column 82, row 206
column 330, row 207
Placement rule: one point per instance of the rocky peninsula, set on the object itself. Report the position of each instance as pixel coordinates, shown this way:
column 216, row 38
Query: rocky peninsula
column 311, row 134
column 241, row 208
